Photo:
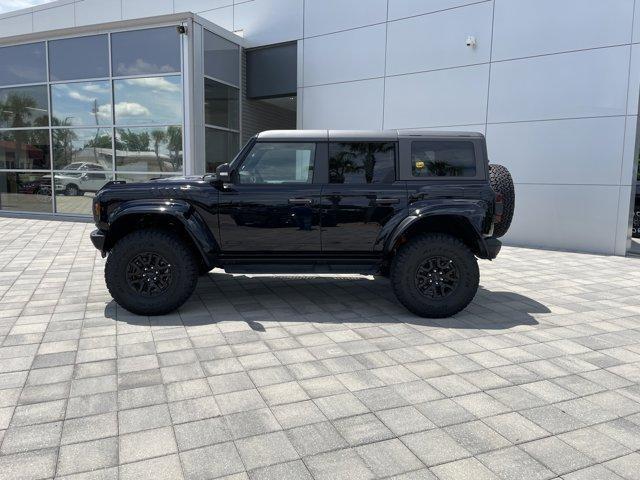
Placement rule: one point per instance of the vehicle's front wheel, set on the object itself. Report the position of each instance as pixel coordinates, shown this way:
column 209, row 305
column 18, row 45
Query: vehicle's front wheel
column 435, row 275
column 151, row 272
column 71, row 190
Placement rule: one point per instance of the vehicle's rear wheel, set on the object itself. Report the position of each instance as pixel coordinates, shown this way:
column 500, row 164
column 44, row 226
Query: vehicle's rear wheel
column 502, row 183
column 151, row 272
column 435, row 275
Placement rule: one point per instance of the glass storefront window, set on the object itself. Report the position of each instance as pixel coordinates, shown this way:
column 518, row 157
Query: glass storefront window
column 220, row 147
column 24, row 107
column 148, row 101
column 141, row 52
column 221, row 59
column 221, row 107
column 89, row 147
column 25, row 191
column 23, row 64
column 24, row 149
column 75, row 188
column 78, row 58
column 149, row 149
column 83, row 103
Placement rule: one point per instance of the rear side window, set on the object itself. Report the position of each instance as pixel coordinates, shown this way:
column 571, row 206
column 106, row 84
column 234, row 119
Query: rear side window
column 443, row 159
column 362, row 162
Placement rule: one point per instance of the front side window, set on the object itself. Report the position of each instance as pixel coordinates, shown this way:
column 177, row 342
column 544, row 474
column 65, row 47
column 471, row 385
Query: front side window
column 362, row 162
column 443, row 159
column 278, row 162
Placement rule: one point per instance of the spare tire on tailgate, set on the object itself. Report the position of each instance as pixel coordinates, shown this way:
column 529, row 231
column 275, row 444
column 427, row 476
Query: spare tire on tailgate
column 502, row 183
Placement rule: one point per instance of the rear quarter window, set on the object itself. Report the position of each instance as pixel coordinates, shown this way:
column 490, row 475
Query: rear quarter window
column 443, row 159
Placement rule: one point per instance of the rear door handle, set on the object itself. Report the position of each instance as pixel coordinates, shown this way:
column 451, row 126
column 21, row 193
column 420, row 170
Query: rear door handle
column 387, row 201
column 300, row 201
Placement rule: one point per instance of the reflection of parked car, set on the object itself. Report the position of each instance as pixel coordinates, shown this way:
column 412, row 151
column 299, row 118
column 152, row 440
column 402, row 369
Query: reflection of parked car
column 80, row 177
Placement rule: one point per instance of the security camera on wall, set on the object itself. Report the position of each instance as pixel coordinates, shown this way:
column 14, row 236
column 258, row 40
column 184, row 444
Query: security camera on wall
column 471, row 41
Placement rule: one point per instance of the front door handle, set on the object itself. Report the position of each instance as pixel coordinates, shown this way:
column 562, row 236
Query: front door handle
column 387, row 201
column 300, row 201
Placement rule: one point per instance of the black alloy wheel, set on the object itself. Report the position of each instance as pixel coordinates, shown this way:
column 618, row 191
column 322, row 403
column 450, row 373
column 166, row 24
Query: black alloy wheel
column 149, row 274
column 437, row 277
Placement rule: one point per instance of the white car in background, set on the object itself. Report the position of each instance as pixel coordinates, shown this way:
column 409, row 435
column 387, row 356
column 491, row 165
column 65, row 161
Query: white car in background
column 80, row 177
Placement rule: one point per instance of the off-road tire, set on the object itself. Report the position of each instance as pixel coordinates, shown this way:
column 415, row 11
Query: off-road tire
column 420, row 249
column 502, row 183
column 184, row 271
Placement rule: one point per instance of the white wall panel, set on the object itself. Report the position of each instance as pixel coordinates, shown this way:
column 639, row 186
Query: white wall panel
column 326, row 16
column 18, row 25
column 480, row 128
column 409, row 8
column 629, row 161
column 534, row 27
column 197, row 6
column 634, row 81
column 340, row 57
column 269, row 21
column 429, row 42
column 145, row 8
column 222, row 17
column 52, row 18
column 584, row 151
column 353, row 105
column 89, row 12
column 636, row 26
column 565, row 217
column 578, row 84
column 445, row 97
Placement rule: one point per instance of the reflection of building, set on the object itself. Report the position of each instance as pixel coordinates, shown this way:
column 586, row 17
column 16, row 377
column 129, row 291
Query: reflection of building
column 554, row 86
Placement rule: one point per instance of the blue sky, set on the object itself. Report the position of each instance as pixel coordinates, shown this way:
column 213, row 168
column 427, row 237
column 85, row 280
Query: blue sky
column 9, row 5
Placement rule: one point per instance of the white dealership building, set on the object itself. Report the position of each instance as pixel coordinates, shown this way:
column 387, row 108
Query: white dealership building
column 92, row 90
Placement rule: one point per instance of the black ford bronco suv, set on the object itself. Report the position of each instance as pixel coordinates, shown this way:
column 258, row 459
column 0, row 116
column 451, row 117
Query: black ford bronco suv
column 417, row 206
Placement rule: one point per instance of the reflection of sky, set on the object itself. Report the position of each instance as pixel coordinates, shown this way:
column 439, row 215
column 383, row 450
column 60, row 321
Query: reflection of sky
column 74, row 102
column 141, row 52
column 152, row 100
column 23, row 64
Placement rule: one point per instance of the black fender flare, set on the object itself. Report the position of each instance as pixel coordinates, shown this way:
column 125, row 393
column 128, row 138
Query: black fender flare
column 473, row 213
column 179, row 210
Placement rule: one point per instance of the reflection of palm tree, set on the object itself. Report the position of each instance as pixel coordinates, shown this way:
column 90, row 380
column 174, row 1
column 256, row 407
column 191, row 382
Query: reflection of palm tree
column 16, row 111
column 174, row 135
column 158, row 136
column 342, row 163
column 368, row 150
column 441, row 168
column 63, row 139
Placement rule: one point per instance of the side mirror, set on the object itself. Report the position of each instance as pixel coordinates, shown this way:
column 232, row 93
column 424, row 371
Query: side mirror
column 223, row 173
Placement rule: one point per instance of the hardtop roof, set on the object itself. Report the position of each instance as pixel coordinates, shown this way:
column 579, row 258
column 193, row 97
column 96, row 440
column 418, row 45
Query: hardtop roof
column 359, row 135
